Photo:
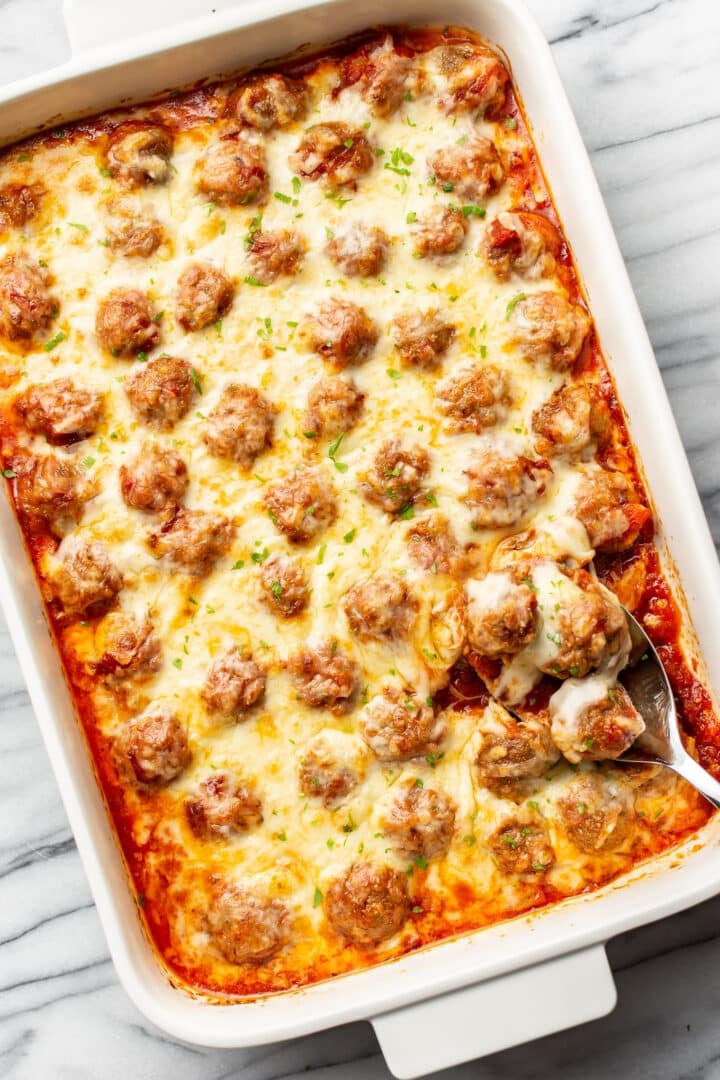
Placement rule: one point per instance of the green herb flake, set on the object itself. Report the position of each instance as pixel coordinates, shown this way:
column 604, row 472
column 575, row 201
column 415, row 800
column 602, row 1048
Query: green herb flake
column 341, row 466
column 350, row 536
column 411, row 217
column 9, row 474
column 471, row 210
column 511, row 123
column 282, row 198
column 196, row 380
column 421, row 863
column 54, row 341
column 177, row 662
column 78, row 225
column 317, row 898
column 296, row 184
column 513, row 304
column 250, row 280
column 407, row 512
column 321, row 554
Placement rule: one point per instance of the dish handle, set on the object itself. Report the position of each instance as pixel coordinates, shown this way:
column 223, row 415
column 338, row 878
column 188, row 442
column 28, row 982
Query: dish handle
column 494, row 1015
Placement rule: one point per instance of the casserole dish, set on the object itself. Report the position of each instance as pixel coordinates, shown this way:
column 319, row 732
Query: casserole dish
column 401, row 970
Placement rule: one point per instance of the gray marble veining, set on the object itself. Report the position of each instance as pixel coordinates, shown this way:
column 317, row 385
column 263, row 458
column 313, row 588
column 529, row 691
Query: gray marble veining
column 644, row 81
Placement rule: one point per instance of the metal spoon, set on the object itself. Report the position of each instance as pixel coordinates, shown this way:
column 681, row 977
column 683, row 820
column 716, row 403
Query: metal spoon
column 647, row 684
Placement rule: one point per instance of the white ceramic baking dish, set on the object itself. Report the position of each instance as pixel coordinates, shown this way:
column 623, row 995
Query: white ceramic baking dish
column 498, row 987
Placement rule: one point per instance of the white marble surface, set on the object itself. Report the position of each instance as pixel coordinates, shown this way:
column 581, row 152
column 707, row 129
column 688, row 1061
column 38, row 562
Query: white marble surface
column 644, row 79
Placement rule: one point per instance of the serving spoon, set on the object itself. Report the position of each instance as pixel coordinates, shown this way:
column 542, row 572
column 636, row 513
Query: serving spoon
column 646, row 682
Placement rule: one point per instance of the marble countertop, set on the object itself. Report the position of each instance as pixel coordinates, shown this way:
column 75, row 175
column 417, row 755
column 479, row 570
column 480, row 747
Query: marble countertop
column 643, row 77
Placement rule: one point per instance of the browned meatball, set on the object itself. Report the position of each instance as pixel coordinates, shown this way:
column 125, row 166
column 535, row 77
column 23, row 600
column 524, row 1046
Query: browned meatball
column 302, row 505
column 590, row 629
column 85, row 582
column 60, row 410
column 131, row 232
column 222, row 807
column 234, row 684
column 510, row 750
column 596, row 810
column 593, row 723
column 396, row 476
column 155, row 744
column 420, row 823
column 471, row 171
column 269, row 101
column 232, row 171
column 51, row 492
column 475, row 397
column 381, row 75
column 139, row 153
column 570, row 420
column 274, row 253
column 359, row 251
column 246, row 929
column 127, row 323
column 547, row 328
column 19, row 203
column 26, row 306
column 127, row 646
column 335, row 154
column 433, row 546
column 476, row 79
column 285, row 586
column 610, row 509
column 240, row 427
column 204, row 294
column 334, row 406
column 368, row 903
column 154, row 480
column 161, row 392
column 323, row 675
column 501, row 614
column 398, row 726
column 440, row 231
column 521, row 848
column 330, row 766
column 380, row 607
column 193, row 540
column 421, row 337
column 523, row 242
column 501, row 490
column 340, row 331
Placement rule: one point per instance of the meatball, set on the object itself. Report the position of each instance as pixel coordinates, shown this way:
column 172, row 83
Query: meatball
column 368, row 903
column 274, row 253
column 476, row 80
column 222, row 807
column 610, row 509
column 139, row 153
column 420, row 823
column 380, row 607
column 472, row 171
column 340, row 331
column 381, row 75
column 396, row 476
column 433, row 546
column 60, row 410
column 161, row 392
column 284, row 584
column 193, row 540
column 302, row 505
column 19, row 203
column 335, row 154
column 26, row 306
column 509, row 749
column 439, row 232
column 570, row 420
column 126, row 322
column 589, row 630
column 234, row 683
column 474, row 397
column 240, row 426
column 593, row 722
column 501, row 614
column 330, row 766
column 155, row 480
column 334, row 406
column 523, row 242
column 521, row 848
column 421, row 337
column 131, row 232
column 501, row 490
column 51, row 492
column 156, row 746
column 398, row 726
column 270, row 101
column 323, row 675
column 127, row 646
column 85, row 582
column 204, row 294
column 596, row 811
column 232, row 171
column 359, row 251
column 546, row 327
column 246, row 929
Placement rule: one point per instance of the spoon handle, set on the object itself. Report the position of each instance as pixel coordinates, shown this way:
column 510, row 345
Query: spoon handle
column 706, row 784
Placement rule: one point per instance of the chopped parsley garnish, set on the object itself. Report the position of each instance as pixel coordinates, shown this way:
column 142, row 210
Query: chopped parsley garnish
column 470, row 210
column 250, row 280
column 238, row 565
column 394, row 373
column 513, row 304
column 276, row 589
column 296, row 184
column 511, row 123
column 88, row 462
column 196, row 379
column 447, row 186
column 554, row 637
column 260, row 556
column 255, row 226
column 54, row 341
column 282, row 198
column 434, row 759
column 419, row 782
column 349, row 536
column 341, row 466
column 321, row 554
column 9, row 474
column 469, row 840
column 411, row 217
column 349, row 143
column 530, row 583
column 406, row 512
column 421, row 863
column 177, row 662
column 398, row 160
column 78, row 225
column 317, row 898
